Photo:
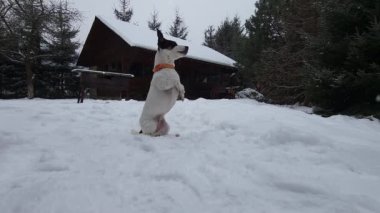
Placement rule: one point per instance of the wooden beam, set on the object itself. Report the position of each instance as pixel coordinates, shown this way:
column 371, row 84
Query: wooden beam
column 105, row 73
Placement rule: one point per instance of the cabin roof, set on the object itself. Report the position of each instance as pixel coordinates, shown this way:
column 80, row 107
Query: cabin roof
column 137, row 36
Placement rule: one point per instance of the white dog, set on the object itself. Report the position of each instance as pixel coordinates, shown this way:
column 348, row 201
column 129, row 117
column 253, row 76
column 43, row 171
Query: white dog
column 165, row 87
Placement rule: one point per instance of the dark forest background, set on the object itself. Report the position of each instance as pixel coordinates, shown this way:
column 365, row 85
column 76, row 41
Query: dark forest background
column 320, row 53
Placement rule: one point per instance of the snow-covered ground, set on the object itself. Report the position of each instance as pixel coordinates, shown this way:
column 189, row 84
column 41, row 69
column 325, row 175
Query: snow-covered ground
column 240, row 156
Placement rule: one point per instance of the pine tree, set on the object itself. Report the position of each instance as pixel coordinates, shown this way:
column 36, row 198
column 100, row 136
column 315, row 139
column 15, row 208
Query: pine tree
column 346, row 71
column 275, row 54
column 154, row 24
column 58, row 80
column 264, row 31
column 265, row 26
column 209, row 37
column 282, row 68
column 229, row 37
column 125, row 13
column 178, row 28
column 62, row 34
column 12, row 80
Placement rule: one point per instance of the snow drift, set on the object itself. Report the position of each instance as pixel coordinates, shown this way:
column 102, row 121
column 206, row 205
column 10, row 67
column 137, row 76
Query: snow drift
column 232, row 156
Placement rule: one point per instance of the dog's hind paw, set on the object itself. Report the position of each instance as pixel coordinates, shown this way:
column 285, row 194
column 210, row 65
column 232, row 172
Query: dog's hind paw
column 135, row 132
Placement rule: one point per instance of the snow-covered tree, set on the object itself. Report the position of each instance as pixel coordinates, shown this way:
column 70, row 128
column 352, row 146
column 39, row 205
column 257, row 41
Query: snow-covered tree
column 126, row 12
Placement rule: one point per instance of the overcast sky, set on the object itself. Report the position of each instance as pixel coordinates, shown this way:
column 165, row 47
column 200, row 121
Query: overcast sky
column 197, row 14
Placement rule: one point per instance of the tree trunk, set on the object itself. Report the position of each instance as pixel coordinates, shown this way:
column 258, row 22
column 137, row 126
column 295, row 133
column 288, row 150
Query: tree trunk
column 29, row 79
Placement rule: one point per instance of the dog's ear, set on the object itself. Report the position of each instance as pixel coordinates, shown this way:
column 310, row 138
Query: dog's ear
column 160, row 36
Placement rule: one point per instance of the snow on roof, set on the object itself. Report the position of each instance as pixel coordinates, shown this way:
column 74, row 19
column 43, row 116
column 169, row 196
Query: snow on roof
column 137, row 36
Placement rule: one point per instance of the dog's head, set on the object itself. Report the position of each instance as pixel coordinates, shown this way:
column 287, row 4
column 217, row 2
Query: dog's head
column 170, row 50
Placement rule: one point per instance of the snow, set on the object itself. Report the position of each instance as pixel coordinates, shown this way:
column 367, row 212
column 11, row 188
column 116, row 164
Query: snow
column 232, row 156
column 145, row 38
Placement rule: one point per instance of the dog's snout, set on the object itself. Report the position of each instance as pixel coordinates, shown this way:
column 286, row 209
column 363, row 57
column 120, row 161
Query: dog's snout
column 186, row 50
column 183, row 50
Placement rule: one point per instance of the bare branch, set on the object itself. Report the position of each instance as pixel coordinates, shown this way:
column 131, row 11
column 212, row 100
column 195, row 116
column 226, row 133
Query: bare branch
column 41, row 56
column 19, row 5
column 288, row 87
column 2, row 53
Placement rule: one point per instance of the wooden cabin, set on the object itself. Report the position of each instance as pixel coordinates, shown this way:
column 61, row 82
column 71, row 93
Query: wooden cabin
column 117, row 46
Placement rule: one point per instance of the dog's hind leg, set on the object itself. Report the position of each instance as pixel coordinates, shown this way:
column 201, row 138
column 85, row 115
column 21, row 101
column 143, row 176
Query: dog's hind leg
column 149, row 127
column 162, row 127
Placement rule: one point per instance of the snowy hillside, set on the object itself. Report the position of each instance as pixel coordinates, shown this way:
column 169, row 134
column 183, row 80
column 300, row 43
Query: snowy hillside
column 233, row 156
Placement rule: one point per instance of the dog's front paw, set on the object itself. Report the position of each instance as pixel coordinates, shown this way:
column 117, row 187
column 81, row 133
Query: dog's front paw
column 181, row 92
column 181, row 96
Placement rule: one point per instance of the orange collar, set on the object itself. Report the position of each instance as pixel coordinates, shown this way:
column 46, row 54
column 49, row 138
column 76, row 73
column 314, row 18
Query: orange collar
column 159, row 67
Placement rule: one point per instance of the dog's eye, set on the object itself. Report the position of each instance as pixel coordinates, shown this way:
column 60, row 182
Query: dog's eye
column 172, row 44
column 168, row 45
